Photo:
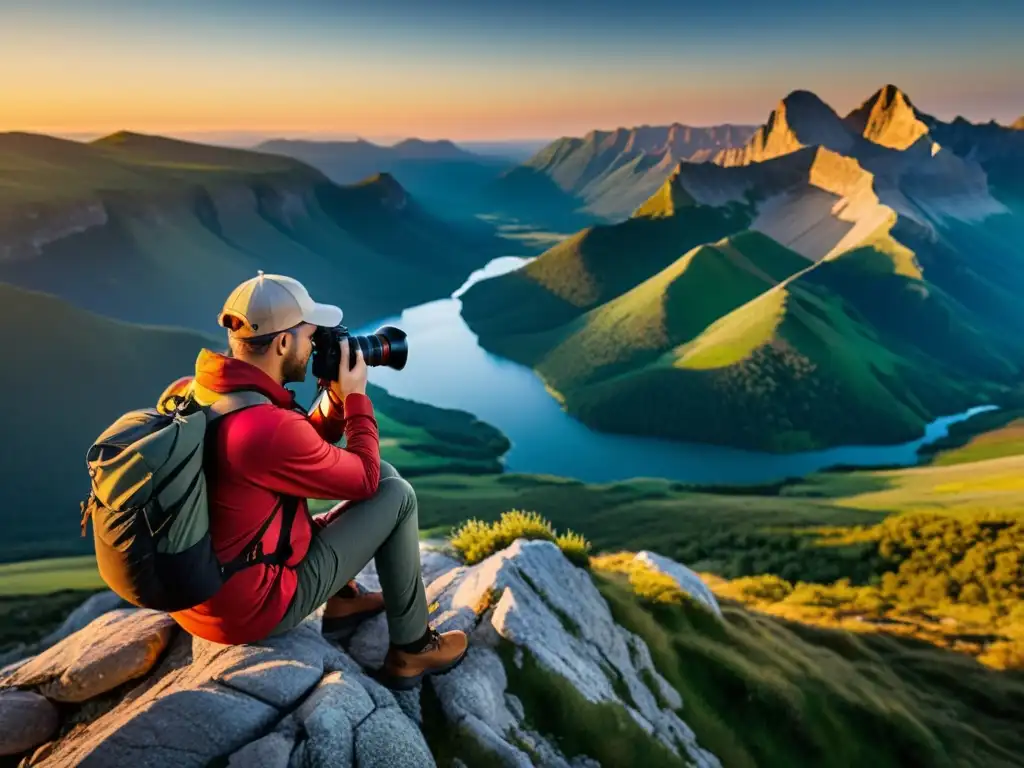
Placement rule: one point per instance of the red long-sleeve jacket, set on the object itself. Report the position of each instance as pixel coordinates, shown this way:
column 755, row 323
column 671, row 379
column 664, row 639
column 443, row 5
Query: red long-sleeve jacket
column 262, row 452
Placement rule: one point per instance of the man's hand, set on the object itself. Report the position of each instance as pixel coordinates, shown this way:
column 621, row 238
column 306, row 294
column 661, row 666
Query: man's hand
column 353, row 380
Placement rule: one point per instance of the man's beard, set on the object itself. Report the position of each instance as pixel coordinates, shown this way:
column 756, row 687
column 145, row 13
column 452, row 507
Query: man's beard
column 293, row 369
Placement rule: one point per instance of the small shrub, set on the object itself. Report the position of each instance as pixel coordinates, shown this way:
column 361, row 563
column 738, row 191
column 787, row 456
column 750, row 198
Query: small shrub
column 575, row 547
column 476, row 540
column 767, row 587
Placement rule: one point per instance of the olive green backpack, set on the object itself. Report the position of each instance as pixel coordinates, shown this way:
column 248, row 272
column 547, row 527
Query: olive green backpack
column 149, row 509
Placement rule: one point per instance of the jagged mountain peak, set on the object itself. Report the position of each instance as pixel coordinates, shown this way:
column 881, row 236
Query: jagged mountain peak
column 889, row 118
column 800, row 120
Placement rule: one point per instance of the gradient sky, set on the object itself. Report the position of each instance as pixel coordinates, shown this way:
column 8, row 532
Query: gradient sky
column 489, row 70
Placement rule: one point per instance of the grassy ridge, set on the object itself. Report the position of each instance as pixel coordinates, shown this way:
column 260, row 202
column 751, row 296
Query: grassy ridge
column 797, row 368
column 42, row 169
column 585, row 271
column 670, row 308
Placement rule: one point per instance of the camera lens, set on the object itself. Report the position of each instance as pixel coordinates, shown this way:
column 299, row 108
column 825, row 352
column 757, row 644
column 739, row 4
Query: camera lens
column 387, row 346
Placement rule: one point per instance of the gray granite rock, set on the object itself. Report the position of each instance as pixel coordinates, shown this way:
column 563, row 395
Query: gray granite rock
column 26, row 721
column 530, row 595
column 688, row 581
column 388, row 739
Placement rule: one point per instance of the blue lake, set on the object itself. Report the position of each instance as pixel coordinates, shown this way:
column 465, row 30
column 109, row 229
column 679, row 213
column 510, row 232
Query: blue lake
column 449, row 369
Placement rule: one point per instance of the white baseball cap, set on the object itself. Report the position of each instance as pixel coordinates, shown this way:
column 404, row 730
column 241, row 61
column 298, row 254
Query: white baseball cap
column 268, row 304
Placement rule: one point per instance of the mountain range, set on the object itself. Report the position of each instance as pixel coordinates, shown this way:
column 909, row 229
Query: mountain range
column 607, row 174
column 156, row 230
column 568, row 183
column 349, row 161
column 832, row 280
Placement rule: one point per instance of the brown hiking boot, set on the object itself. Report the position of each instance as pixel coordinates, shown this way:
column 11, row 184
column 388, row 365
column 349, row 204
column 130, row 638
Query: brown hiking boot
column 348, row 609
column 444, row 651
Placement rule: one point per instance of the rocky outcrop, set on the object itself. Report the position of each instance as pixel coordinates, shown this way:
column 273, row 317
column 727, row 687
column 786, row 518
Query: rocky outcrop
column 685, row 579
column 528, row 600
column 132, row 689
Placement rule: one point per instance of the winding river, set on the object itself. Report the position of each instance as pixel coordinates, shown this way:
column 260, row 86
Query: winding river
column 449, row 369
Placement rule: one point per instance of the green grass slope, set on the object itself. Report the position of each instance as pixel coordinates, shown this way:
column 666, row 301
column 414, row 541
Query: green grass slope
column 70, row 373
column 797, row 368
column 666, row 310
column 156, row 230
column 587, row 270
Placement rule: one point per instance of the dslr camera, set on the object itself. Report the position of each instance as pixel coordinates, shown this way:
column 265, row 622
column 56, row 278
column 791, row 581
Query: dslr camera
column 387, row 346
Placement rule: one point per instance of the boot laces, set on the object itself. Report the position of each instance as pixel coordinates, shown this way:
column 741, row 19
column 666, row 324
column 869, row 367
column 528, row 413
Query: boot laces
column 435, row 639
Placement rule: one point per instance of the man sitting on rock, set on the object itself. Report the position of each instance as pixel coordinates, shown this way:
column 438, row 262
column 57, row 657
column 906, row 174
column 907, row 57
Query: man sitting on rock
column 265, row 456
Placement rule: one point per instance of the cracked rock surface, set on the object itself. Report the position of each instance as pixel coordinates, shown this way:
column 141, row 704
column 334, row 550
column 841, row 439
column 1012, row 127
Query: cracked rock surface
column 130, row 688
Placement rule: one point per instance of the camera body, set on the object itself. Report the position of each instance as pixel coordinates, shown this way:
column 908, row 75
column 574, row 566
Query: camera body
column 387, row 346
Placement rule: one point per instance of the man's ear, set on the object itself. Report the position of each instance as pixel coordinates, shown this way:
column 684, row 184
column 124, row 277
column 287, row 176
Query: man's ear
column 283, row 343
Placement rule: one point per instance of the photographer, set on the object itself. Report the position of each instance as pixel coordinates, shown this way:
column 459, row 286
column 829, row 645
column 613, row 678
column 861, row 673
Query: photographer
column 262, row 463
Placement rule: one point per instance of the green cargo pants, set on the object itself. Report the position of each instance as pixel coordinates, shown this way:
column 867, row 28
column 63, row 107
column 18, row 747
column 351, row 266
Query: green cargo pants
column 384, row 527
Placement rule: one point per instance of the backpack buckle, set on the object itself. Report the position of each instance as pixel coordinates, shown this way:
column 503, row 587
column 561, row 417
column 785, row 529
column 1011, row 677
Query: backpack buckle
column 255, row 553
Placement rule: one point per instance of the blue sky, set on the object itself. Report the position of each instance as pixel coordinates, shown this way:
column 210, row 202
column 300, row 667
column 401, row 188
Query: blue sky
column 490, row 70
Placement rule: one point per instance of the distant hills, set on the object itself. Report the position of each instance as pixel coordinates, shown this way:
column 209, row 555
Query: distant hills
column 348, row 161
column 442, row 176
column 157, row 230
column 831, row 280
column 75, row 371
column 607, row 174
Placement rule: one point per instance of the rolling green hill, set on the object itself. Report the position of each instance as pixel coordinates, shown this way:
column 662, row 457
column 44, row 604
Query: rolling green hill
column 72, row 372
column 156, row 230
column 833, row 282
column 673, row 306
column 591, row 268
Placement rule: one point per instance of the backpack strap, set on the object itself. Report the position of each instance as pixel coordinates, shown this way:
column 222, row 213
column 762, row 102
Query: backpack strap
column 252, row 554
column 234, row 401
